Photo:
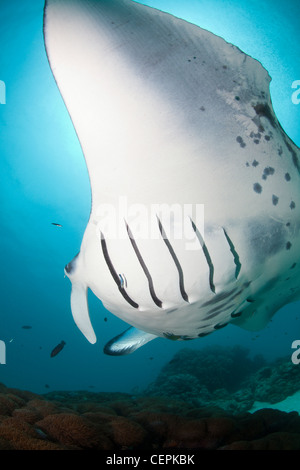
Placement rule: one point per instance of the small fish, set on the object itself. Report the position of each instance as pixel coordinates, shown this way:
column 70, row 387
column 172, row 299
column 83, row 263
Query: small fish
column 47, row 386
column 57, row 349
column 56, row 225
column 105, row 319
column 26, row 327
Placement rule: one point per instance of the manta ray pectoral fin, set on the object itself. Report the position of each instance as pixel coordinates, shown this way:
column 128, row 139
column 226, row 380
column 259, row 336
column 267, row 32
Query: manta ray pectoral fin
column 253, row 316
column 80, row 311
column 127, row 342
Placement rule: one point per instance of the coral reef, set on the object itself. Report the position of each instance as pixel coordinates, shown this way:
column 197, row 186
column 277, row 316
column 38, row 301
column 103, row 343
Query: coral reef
column 117, row 422
column 226, row 378
column 200, row 400
column 214, row 366
column 276, row 381
column 214, row 376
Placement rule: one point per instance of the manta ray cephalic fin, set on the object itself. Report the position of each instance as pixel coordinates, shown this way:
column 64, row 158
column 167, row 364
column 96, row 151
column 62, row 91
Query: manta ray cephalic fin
column 80, row 311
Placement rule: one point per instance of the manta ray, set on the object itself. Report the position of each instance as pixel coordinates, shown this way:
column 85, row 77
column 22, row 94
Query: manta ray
column 195, row 213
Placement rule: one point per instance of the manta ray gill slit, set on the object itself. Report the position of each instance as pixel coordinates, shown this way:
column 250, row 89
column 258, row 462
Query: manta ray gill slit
column 175, row 259
column 155, row 299
column 114, row 274
column 207, row 257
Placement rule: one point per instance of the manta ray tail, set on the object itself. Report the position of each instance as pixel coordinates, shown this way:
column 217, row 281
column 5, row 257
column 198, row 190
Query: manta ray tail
column 127, row 342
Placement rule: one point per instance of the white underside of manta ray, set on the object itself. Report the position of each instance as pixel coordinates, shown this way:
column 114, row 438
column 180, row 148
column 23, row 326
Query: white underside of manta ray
column 171, row 116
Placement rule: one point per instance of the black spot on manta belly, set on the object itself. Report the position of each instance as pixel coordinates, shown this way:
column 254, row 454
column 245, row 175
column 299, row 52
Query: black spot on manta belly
column 201, row 335
column 287, row 177
column 239, row 139
column 236, row 314
column 292, row 205
column 288, row 245
column 255, row 135
column 263, row 110
column 220, row 325
column 267, row 172
column 275, row 200
column 257, row 188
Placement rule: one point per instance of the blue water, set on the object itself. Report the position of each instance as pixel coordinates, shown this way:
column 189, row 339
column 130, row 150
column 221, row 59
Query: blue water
column 44, row 179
